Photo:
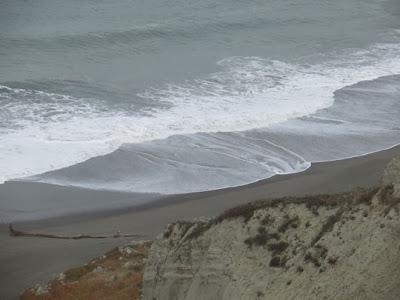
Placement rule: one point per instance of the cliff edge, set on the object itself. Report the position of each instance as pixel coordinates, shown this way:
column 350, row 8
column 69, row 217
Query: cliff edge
column 340, row 246
column 319, row 247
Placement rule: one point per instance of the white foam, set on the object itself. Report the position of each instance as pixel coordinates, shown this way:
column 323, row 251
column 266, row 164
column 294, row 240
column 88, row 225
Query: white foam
column 248, row 92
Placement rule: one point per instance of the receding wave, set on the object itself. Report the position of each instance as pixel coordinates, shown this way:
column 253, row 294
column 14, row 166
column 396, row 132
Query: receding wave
column 247, row 93
column 363, row 119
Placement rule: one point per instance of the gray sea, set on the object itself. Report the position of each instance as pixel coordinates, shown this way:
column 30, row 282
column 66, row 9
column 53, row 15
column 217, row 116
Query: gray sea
column 184, row 96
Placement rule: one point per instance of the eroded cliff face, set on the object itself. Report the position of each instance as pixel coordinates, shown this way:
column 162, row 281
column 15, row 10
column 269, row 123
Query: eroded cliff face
column 322, row 247
column 344, row 246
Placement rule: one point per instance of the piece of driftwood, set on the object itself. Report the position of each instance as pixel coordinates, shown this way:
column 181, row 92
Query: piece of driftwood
column 19, row 233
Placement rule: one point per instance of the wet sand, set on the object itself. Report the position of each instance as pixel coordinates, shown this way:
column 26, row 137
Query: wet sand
column 25, row 261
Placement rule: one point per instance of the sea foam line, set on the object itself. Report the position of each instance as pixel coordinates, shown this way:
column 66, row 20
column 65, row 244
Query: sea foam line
column 248, row 92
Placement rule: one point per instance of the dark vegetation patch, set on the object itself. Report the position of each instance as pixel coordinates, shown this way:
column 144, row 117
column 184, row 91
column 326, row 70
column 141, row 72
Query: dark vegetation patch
column 289, row 222
column 199, row 230
column 328, row 225
column 321, row 251
column 247, row 210
column 315, row 255
column 185, row 226
column 267, row 220
column 385, row 194
column 167, row 232
column 278, row 262
column 277, row 248
column 262, row 237
column 332, row 260
column 313, row 209
column 310, row 258
column 365, row 195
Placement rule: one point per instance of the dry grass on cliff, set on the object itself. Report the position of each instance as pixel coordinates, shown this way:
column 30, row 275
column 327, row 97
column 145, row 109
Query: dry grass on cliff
column 312, row 202
column 116, row 275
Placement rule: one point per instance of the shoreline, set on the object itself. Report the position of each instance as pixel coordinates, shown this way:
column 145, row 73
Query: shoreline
column 141, row 201
column 21, row 259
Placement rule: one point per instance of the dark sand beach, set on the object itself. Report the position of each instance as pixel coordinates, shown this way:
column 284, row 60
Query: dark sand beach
column 26, row 261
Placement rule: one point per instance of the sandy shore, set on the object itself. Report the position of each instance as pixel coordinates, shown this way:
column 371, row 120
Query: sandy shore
column 25, row 261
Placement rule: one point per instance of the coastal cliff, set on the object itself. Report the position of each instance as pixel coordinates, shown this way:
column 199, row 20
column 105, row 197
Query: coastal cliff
column 319, row 247
column 337, row 246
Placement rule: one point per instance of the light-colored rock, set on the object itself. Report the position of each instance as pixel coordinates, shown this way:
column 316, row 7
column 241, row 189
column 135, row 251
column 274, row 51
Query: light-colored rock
column 99, row 269
column 61, row 277
column 295, row 249
column 40, row 290
column 127, row 250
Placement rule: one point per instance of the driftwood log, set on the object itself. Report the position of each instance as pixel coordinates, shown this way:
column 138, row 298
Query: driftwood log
column 19, row 233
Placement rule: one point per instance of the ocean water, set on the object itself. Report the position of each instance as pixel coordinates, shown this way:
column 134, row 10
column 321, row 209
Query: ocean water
column 183, row 96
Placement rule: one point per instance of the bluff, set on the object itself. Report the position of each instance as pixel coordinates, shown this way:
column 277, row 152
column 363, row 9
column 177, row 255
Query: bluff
column 340, row 246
